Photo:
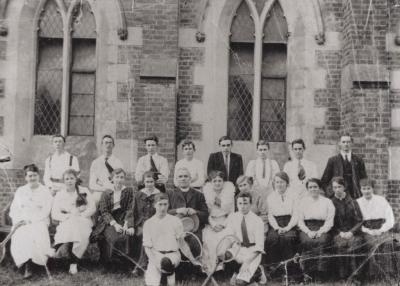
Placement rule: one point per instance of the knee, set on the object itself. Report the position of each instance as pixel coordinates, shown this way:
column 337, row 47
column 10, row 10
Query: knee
column 167, row 266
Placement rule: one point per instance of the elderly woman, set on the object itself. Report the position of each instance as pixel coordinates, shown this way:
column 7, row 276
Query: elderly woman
column 195, row 166
column 315, row 220
column 30, row 211
column 346, row 228
column 282, row 237
column 378, row 220
column 114, row 229
column 73, row 208
column 259, row 199
column 220, row 200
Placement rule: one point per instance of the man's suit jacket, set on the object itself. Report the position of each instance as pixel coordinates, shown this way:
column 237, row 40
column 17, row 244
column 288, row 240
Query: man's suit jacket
column 216, row 163
column 334, row 168
column 194, row 200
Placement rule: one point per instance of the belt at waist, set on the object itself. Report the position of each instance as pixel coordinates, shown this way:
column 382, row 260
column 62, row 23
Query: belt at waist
column 374, row 223
column 314, row 224
column 247, row 245
column 167, row 251
column 283, row 220
column 56, row 180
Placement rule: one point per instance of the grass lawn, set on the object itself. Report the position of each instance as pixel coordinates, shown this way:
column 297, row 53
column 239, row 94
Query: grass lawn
column 91, row 274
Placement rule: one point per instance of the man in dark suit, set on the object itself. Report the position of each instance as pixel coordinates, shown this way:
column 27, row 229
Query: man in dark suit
column 231, row 164
column 347, row 165
column 186, row 201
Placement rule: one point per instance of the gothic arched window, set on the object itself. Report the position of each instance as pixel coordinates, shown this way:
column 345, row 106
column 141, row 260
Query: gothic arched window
column 66, row 70
column 257, row 73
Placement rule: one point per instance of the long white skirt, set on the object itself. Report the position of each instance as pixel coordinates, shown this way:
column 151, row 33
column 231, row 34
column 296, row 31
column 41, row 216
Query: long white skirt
column 76, row 230
column 211, row 240
column 31, row 241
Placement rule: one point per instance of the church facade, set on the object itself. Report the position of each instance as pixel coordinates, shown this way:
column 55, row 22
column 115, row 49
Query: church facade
column 252, row 69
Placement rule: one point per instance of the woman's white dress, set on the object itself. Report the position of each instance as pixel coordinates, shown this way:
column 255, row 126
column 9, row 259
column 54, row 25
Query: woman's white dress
column 219, row 206
column 31, row 241
column 74, row 225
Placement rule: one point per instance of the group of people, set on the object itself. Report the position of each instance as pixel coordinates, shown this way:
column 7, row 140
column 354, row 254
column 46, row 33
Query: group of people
column 260, row 216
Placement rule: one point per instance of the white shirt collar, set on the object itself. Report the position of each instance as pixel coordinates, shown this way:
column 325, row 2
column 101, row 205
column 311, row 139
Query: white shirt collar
column 185, row 189
column 348, row 154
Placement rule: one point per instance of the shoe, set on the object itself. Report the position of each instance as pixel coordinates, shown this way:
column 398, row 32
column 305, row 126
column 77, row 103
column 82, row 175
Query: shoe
column 240, row 282
column 263, row 279
column 73, row 269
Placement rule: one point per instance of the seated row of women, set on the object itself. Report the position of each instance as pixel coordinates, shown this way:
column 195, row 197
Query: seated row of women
column 313, row 226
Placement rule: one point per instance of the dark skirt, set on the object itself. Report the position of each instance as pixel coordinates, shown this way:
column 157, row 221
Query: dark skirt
column 313, row 249
column 345, row 266
column 280, row 247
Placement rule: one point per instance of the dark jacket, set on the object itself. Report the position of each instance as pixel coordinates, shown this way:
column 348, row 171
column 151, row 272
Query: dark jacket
column 143, row 208
column 105, row 210
column 334, row 168
column 216, row 163
column 194, row 200
column 348, row 215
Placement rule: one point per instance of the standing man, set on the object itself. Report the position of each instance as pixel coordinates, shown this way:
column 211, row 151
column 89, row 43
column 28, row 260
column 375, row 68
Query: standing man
column 249, row 229
column 262, row 169
column 102, row 167
column 231, row 164
column 347, row 165
column 300, row 169
column 154, row 163
column 57, row 163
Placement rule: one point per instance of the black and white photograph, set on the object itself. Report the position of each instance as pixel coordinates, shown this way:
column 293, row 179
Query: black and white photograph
column 199, row 142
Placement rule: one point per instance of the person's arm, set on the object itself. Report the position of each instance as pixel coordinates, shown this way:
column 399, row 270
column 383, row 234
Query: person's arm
column 164, row 168
column 271, row 218
column 91, row 205
column 199, row 182
column 358, row 218
column 329, row 218
column 140, row 170
column 228, row 197
column 94, row 178
column 259, row 235
column 250, row 169
column 16, row 213
column 46, row 175
column 240, row 165
column 210, row 164
column 75, row 164
column 363, row 170
column 56, row 210
column 294, row 216
column 275, row 168
column 104, row 209
column 300, row 223
column 326, row 178
column 202, row 210
column 389, row 217
column 47, row 203
column 263, row 211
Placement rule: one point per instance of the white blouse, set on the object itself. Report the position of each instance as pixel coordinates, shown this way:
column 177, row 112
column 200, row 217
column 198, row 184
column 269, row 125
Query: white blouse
column 377, row 208
column 318, row 209
column 279, row 205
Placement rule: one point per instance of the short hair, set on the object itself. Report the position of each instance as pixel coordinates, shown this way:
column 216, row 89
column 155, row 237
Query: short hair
column 284, row 176
column 151, row 138
column 314, row 180
column 346, row 135
column 117, row 171
column 338, row 180
column 367, row 182
column 262, row 142
column 58, row 136
column 149, row 174
column 70, row 172
column 30, row 168
column 223, row 138
column 244, row 178
column 188, row 142
column 160, row 196
column 299, row 141
column 245, row 195
column 108, row 136
column 213, row 174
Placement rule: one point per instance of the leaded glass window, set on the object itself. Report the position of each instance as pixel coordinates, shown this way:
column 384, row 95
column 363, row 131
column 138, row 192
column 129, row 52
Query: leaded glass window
column 270, row 97
column 71, row 113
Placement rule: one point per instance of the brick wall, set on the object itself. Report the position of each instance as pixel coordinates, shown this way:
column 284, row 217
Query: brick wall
column 188, row 94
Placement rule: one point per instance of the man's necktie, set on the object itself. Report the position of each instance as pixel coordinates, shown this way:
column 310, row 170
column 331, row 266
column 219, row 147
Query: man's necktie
column 263, row 168
column 245, row 235
column 302, row 172
column 347, row 158
column 110, row 169
column 153, row 167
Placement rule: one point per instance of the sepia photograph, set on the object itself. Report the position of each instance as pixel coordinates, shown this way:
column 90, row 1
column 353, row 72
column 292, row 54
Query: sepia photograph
column 199, row 142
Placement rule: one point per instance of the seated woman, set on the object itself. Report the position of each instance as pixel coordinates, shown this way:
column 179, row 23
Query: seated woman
column 114, row 229
column 143, row 209
column 282, row 238
column 73, row 208
column 30, row 211
column 220, row 200
column 346, row 228
column 195, row 166
column 259, row 200
column 378, row 220
column 315, row 220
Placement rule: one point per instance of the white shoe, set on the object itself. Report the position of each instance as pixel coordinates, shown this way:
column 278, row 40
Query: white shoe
column 263, row 278
column 73, row 269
